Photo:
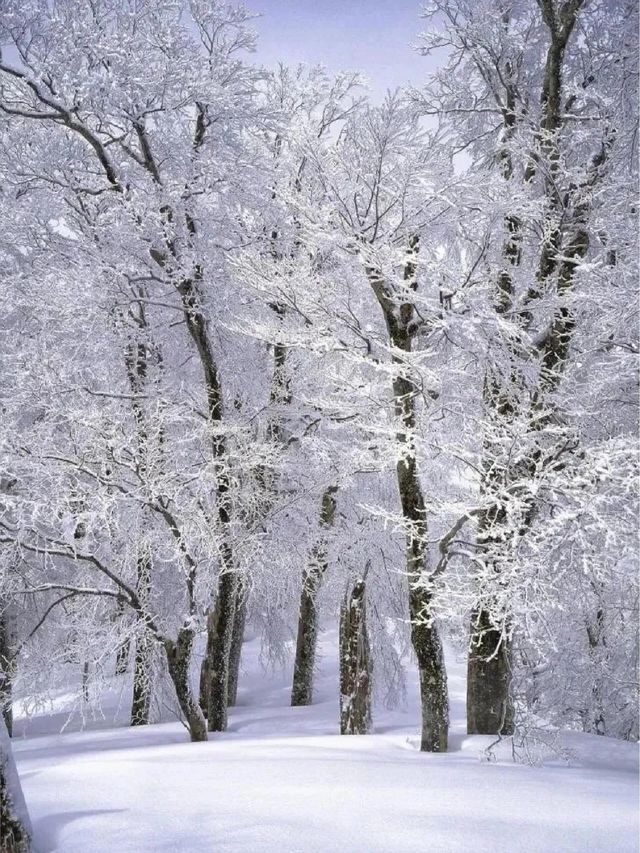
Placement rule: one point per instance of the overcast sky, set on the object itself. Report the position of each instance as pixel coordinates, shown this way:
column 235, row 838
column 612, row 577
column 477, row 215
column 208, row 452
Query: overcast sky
column 372, row 36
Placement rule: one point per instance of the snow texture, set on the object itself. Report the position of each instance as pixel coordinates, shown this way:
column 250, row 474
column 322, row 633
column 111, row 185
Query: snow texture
column 282, row 779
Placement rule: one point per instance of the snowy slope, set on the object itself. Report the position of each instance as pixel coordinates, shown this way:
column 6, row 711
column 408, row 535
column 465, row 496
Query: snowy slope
column 282, row 780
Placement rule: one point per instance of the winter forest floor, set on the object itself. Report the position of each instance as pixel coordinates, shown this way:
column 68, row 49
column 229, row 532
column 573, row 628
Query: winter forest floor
column 281, row 780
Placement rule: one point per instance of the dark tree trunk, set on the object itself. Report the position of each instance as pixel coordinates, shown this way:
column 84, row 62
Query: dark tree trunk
column 594, row 722
column 302, row 689
column 142, row 674
column 7, row 665
column 220, row 626
column 178, row 660
column 85, row 681
column 221, row 617
column 205, row 683
column 142, row 682
column 355, row 664
column 489, row 701
column 425, row 638
column 15, row 830
column 237, row 639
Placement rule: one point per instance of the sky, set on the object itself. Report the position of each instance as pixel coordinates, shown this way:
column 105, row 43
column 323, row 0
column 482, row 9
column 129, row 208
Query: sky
column 372, row 36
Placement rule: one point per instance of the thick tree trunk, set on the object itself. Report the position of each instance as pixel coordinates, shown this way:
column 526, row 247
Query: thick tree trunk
column 15, row 827
column 489, row 701
column 178, row 660
column 355, row 664
column 302, row 689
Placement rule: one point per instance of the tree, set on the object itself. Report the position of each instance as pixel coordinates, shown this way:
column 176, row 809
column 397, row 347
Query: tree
column 523, row 93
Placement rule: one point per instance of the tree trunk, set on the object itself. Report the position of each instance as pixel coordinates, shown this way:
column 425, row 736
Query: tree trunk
column 355, row 664
column 178, row 660
column 221, row 618
column 594, row 722
column 489, row 701
column 205, row 682
column 15, row 827
column 302, row 689
column 122, row 656
column 142, row 682
column 237, row 639
column 142, row 675
column 7, row 665
column 220, row 626
column 425, row 638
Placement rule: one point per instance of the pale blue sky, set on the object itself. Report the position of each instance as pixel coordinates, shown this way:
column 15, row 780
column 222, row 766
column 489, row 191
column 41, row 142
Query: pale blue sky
column 373, row 36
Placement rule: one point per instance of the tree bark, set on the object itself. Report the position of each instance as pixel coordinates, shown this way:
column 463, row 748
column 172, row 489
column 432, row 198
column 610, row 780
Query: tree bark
column 221, row 618
column 220, row 626
column 489, row 702
column 355, row 664
column 237, row 639
column 399, row 317
column 178, row 660
column 15, row 827
column 7, row 664
column 142, row 675
column 302, row 688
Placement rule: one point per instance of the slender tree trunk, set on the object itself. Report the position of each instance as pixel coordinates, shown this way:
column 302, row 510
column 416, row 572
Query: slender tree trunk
column 205, row 682
column 142, row 681
column 122, row 657
column 595, row 723
column 85, row 681
column 302, row 689
column 137, row 364
column 400, row 319
column 7, row 664
column 237, row 639
column 142, row 674
column 355, row 664
column 221, row 617
column 220, row 627
column 178, row 660
column 425, row 637
column 15, row 827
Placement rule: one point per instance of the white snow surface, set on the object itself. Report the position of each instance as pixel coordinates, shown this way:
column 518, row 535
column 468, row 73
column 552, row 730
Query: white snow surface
column 281, row 780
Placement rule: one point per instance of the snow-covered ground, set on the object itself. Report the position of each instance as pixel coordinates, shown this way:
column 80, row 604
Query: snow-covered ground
column 282, row 780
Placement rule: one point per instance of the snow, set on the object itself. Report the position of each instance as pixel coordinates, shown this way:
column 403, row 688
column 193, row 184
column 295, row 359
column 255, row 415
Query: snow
column 282, row 779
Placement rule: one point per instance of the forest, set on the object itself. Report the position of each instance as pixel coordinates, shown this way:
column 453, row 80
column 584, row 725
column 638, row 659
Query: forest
column 318, row 418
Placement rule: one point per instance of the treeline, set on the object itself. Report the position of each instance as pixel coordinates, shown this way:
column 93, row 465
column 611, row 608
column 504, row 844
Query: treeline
column 271, row 351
